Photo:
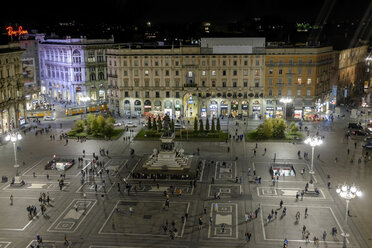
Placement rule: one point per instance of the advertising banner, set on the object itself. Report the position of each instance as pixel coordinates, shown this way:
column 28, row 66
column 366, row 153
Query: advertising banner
column 28, row 69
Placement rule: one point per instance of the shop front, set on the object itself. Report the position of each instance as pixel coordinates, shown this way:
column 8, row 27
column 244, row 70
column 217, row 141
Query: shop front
column 177, row 109
column 191, row 105
column 308, row 113
column 137, row 107
column 157, row 106
column 234, row 108
column 213, row 109
column 245, row 108
column 279, row 112
column 168, row 108
column 269, row 113
column 224, row 108
column 127, row 108
column 298, row 113
column 147, row 107
column 256, row 109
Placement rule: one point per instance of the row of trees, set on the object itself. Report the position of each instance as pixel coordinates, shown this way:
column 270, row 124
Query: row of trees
column 95, row 125
column 156, row 124
column 275, row 128
column 199, row 125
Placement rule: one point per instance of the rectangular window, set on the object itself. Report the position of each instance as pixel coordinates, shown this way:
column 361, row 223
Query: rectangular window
column 136, row 73
column 203, row 83
column 290, row 61
column 256, row 84
column 213, row 73
column 146, row 63
column 157, row 94
column 245, row 83
column 136, row 63
column 213, row 62
column 279, row 92
column 156, row 63
column 146, row 72
column 177, row 73
column 177, row 94
column 245, row 62
column 298, row 92
column 235, row 73
column 203, row 73
column 137, row 94
column 257, row 73
column 156, row 83
column 270, row 82
column 299, row 70
column 125, row 73
column 280, row 71
column 280, row 80
column 289, row 81
column 126, row 94
column 299, row 81
column 224, row 62
column 270, row 92
column 245, row 72
column 290, row 70
column 203, row 63
column 167, row 73
column 309, row 81
column 289, row 92
column 310, row 61
column 235, row 63
column 147, row 94
column 176, row 63
column 213, row 83
column 309, row 71
column 167, row 94
column 146, row 83
column 308, row 92
column 271, row 71
column 223, row 73
column 234, row 84
column 300, row 61
column 257, row 62
column 156, row 73
column 224, row 84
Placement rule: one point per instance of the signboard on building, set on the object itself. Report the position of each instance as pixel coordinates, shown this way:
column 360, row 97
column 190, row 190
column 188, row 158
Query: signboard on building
column 28, row 69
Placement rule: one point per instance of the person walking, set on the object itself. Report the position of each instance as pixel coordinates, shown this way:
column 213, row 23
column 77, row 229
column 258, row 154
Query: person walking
column 324, row 235
column 281, row 203
column 200, row 223
column 306, row 213
column 11, row 200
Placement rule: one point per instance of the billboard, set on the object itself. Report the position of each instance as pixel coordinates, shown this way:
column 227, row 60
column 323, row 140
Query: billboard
column 28, row 69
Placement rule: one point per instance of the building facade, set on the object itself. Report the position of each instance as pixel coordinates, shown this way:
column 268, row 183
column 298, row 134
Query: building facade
column 219, row 77
column 12, row 101
column 300, row 73
column 74, row 68
column 351, row 72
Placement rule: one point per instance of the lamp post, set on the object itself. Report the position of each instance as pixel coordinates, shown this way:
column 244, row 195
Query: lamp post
column 14, row 137
column 285, row 101
column 85, row 99
column 347, row 192
column 313, row 142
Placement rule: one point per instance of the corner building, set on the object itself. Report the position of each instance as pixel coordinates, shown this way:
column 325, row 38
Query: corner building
column 301, row 73
column 219, row 77
column 12, row 100
column 71, row 68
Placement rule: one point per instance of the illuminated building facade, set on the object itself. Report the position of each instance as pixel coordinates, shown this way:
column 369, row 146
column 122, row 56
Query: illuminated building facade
column 219, row 77
column 301, row 73
column 72, row 68
column 12, row 101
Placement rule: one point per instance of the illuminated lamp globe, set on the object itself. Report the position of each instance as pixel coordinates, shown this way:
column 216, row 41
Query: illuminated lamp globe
column 359, row 193
column 344, row 188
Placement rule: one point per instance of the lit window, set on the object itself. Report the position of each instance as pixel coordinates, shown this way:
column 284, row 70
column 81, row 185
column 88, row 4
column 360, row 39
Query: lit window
column 146, row 72
column 189, row 74
column 213, row 73
column 299, row 80
column 271, row 71
column 308, row 81
column 203, row 73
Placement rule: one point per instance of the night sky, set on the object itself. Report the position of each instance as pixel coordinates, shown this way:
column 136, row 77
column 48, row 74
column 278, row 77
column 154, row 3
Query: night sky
column 165, row 11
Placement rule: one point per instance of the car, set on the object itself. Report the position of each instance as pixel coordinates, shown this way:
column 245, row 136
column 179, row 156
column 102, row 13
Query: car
column 49, row 118
column 355, row 126
column 367, row 139
column 59, row 164
column 357, row 132
column 368, row 144
column 117, row 124
column 130, row 124
column 179, row 126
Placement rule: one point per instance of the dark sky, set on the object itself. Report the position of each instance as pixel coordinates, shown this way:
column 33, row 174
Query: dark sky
column 165, row 11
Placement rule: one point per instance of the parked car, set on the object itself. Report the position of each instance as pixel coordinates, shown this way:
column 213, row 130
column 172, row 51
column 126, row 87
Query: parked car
column 179, row 126
column 49, row 118
column 130, row 124
column 368, row 144
column 355, row 126
column 117, row 124
column 357, row 132
column 367, row 139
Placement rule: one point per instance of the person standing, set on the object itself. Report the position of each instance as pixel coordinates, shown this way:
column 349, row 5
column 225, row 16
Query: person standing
column 11, row 200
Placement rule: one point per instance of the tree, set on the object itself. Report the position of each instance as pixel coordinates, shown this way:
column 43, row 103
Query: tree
column 207, row 125
column 201, row 126
column 195, row 124
column 260, row 132
column 149, row 125
column 89, row 120
column 101, row 123
column 218, row 125
column 293, row 127
column 94, row 128
column 154, row 126
column 268, row 129
column 213, row 126
column 108, row 130
column 160, row 125
column 110, row 120
column 79, row 126
column 279, row 126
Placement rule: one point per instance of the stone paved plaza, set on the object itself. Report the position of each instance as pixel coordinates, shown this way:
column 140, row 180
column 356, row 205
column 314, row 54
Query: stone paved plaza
column 100, row 217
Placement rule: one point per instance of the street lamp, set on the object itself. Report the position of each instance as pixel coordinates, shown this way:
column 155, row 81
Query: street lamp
column 14, row 137
column 85, row 99
column 347, row 192
column 285, row 101
column 313, row 142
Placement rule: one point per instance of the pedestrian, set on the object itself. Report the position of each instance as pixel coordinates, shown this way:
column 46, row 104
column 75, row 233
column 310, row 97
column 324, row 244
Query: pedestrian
column 274, row 157
column 200, row 223
column 348, row 151
column 248, row 236
column 329, row 185
column 254, row 153
column 318, row 157
column 306, row 213
column 11, row 200
column 302, row 195
column 281, row 203
column 324, row 235
column 205, row 210
column 355, row 145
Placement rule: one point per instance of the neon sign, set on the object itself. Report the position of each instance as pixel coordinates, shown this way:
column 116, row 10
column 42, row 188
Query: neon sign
column 12, row 32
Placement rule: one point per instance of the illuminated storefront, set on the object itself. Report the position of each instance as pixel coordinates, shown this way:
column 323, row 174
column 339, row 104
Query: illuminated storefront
column 269, row 112
column 256, row 108
column 234, row 108
column 177, row 109
column 279, row 112
column 298, row 113
column 147, row 107
column 137, row 107
column 213, row 109
column 245, row 108
column 127, row 108
column 168, row 108
column 224, row 108
column 190, row 105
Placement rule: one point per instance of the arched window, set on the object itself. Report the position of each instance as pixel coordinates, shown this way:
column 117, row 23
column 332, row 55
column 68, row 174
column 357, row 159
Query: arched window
column 76, row 57
column 101, row 76
column 93, row 77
